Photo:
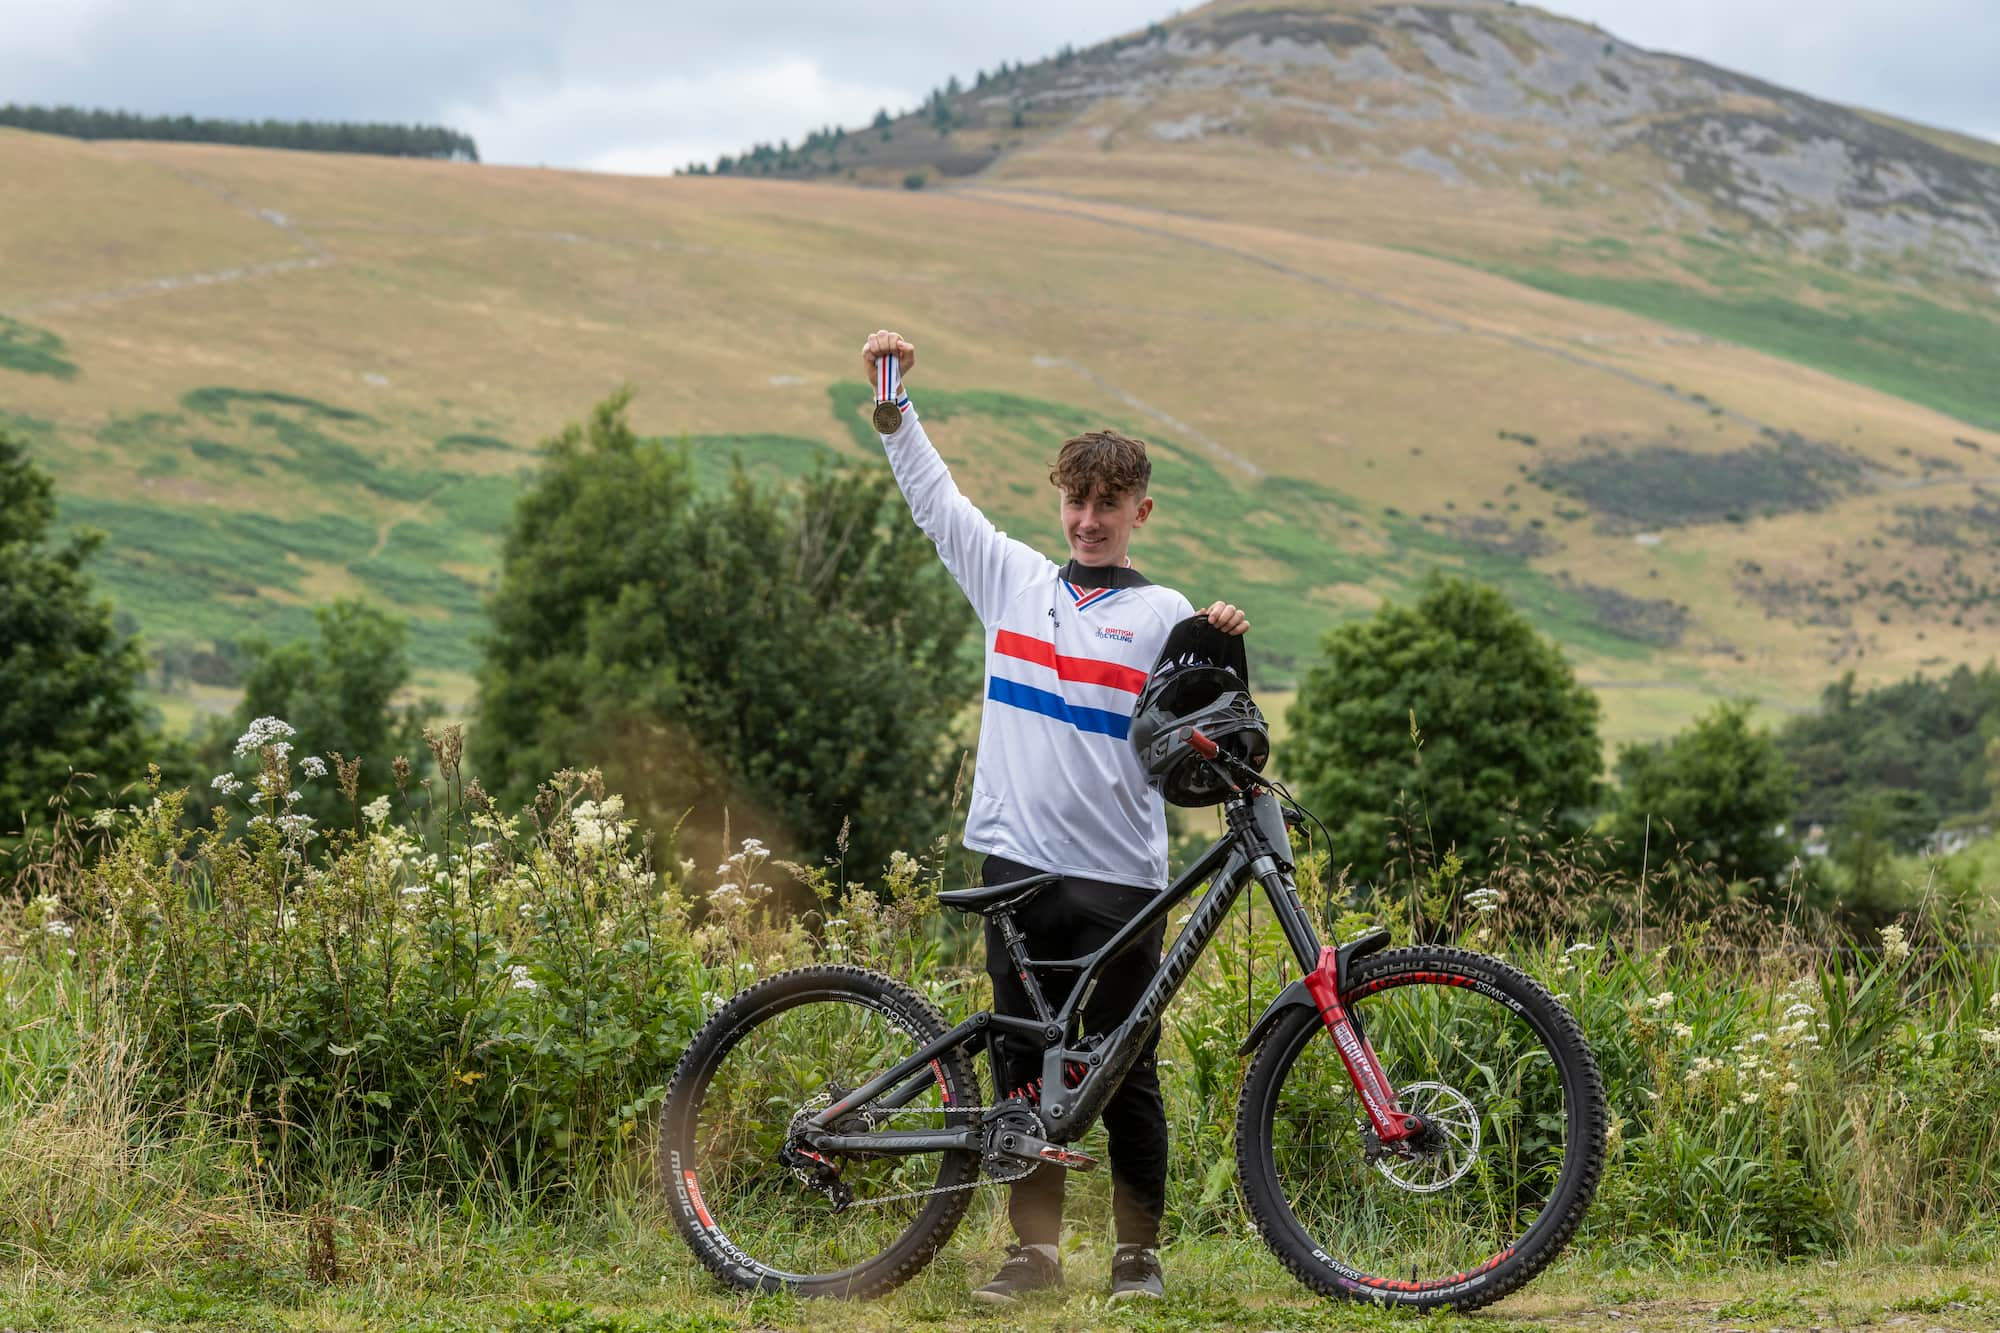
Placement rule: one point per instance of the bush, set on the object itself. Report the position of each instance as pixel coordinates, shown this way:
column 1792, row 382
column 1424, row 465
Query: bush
column 462, row 1004
column 1455, row 702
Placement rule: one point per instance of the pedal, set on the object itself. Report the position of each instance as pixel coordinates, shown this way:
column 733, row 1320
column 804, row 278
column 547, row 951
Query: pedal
column 1075, row 1161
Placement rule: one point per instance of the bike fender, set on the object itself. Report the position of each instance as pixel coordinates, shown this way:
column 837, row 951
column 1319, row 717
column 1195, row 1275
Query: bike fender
column 1290, row 997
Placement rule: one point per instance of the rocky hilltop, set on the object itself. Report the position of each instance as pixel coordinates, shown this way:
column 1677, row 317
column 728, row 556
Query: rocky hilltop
column 1491, row 100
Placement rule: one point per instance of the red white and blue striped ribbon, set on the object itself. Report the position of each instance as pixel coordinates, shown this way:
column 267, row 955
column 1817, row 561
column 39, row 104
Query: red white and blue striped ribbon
column 887, row 371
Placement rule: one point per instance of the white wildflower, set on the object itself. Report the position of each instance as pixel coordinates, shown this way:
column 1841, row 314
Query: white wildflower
column 1750, row 1098
column 415, row 891
column 227, row 783
column 377, row 810
column 294, row 797
column 1800, row 1011
column 1989, row 1037
column 313, row 766
column 1790, row 1088
column 264, row 731
column 1993, row 1002
column 1895, row 945
column 1682, row 1031
column 1757, row 1037
column 1660, row 1001
column 521, row 979
column 62, row 930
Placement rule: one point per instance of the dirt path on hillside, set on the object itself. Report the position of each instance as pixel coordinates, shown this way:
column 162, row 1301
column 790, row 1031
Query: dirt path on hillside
column 316, row 255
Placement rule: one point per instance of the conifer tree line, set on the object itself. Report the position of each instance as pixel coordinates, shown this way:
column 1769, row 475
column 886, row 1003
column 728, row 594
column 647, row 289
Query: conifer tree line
column 316, row 136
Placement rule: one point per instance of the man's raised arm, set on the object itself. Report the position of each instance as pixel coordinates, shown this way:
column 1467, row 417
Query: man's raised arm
column 989, row 565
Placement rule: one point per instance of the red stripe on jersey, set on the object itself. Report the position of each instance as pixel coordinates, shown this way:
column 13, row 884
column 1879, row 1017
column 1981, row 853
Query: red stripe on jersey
column 1085, row 670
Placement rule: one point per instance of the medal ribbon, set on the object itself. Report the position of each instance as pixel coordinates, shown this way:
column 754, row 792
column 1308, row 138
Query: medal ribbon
column 886, row 375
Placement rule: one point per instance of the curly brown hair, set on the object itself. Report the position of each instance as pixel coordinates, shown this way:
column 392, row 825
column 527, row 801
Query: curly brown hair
column 1104, row 458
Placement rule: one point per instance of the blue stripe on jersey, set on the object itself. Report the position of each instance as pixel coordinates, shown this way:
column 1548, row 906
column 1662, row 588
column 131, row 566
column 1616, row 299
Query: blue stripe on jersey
column 1100, row 720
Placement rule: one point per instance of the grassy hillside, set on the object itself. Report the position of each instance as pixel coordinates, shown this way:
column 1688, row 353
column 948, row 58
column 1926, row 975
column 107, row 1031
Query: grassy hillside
column 275, row 378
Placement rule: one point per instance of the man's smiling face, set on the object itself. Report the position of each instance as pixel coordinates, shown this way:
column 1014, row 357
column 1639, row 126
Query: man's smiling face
column 1099, row 525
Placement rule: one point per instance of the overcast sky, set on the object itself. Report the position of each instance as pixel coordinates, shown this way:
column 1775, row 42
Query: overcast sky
column 648, row 85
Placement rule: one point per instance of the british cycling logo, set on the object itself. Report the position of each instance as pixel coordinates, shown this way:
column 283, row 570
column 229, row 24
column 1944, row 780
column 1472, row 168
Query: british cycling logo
column 1121, row 635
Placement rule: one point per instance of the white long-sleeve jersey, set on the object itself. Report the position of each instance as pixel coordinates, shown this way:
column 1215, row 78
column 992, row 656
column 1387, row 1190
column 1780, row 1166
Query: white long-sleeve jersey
column 1056, row 783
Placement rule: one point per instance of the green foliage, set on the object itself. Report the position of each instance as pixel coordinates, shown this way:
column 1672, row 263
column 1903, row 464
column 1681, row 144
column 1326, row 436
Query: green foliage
column 788, row 660
column 1927, row 352
column 1666, row 485
column 450, row 999
column 1455, row 701
column 1719, row 792
column 1931, row 737
column 474, row 443
column 32, row 351
column 456, row 1020
column 323, row 136
column 67, row 677
column 339, row 692
column 1875, row 824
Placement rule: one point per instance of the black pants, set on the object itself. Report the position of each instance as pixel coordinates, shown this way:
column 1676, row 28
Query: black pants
column 1070, row 920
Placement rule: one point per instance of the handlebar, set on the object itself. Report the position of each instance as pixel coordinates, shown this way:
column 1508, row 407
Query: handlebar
column 1199, row 743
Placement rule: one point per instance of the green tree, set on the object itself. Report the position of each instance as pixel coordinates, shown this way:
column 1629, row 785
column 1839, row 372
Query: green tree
column 1502, row 722
column 67, row 677
column 1722, row 790
column 790, row 658
column 1875, row 825
column 338, row 692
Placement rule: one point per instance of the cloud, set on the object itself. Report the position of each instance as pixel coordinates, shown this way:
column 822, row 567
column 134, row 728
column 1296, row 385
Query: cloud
column 666, row 120
column 630, row 84
column 1924, row 60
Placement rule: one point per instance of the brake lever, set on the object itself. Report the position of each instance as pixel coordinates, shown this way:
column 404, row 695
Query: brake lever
column 1230, row 766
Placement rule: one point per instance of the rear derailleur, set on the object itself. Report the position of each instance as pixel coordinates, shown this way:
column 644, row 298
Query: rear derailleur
column 815, row 1171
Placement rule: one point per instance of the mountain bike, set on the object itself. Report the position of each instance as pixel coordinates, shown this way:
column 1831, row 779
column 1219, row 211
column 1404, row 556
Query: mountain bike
column 1419, row 1126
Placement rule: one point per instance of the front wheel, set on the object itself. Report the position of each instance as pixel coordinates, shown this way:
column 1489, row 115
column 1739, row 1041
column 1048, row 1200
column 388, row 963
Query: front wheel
column 762, row 1216
column 1502, row 1075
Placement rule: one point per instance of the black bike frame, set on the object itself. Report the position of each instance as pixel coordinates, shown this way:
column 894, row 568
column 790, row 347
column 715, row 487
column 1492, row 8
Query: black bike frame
column 1254, row 848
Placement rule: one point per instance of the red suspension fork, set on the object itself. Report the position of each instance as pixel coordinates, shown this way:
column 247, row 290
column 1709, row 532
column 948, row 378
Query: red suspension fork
column 1377, row 1097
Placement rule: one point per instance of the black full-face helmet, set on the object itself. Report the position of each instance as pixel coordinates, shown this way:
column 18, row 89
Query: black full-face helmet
column 1201, row 680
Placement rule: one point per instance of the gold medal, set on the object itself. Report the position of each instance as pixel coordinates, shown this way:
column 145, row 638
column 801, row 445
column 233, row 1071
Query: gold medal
column 888, row 417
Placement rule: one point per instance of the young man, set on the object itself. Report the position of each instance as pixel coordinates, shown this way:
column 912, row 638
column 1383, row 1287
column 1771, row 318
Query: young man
column 1057, row 787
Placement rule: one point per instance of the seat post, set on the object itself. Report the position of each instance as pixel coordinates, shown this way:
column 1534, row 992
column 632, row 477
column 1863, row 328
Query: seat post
column 1017, row 950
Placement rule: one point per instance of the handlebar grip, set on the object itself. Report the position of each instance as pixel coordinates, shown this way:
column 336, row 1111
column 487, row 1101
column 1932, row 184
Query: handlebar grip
column 1201, row 744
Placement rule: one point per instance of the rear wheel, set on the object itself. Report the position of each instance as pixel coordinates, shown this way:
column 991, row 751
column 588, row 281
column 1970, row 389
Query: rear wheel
column 1502, row 1075
column 761, row 1217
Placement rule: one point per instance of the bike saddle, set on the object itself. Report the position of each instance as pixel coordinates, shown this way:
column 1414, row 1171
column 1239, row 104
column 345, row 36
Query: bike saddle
column 997, row 897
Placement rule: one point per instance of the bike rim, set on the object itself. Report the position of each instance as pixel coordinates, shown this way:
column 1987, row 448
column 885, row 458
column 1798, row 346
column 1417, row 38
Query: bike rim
column 787, row 1061
column 1491, row 1079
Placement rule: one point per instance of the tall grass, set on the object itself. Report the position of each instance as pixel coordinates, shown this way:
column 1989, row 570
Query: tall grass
column 442, row 1013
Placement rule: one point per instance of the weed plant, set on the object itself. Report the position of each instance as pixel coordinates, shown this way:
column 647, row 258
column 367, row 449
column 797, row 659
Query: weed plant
column 441, row 1019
